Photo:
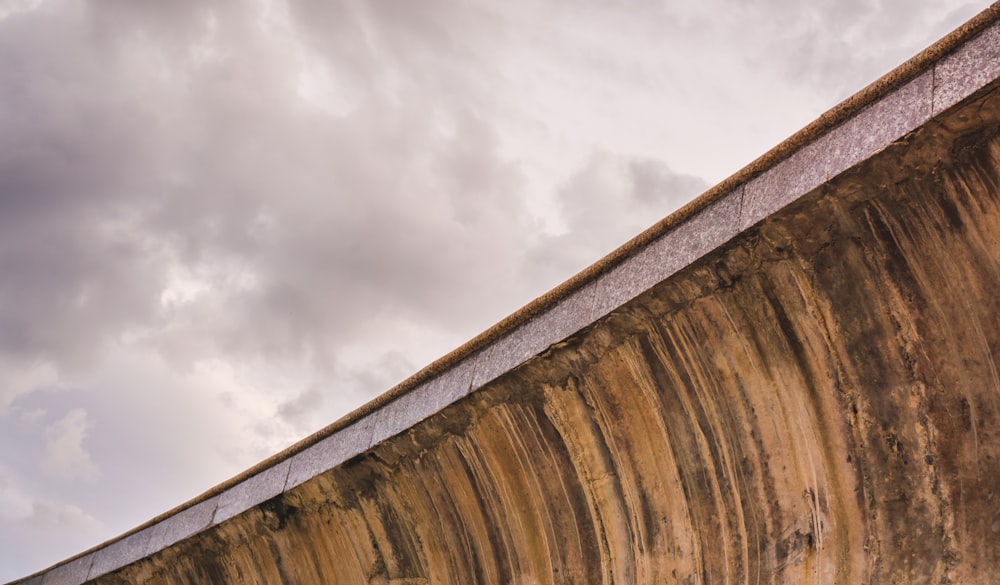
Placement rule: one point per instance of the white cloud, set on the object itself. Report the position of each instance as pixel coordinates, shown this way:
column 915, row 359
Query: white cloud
column 32, row 416
column 10, row 8
column 43, row 535
column 38, row 531
column 14, row 503
column 17, row 379
column 65, row 458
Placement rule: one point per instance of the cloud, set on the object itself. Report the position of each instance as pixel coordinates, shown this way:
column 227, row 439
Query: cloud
column 76, row 274
column 840, row 46
column 301, row 225
column 608, row 200
column 65, row 458
column 42, row 534
column 18, row 378
column 192, row 148
column 36, row 531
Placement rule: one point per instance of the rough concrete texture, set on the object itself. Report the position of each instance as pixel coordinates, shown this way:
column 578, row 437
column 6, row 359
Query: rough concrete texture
column 816, row 401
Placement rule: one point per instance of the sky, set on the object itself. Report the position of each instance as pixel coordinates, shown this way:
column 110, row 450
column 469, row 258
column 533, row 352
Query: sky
column 224, row 225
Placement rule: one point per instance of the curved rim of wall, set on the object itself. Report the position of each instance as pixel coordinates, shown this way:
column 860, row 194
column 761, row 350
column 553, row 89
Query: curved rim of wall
column 959, row 65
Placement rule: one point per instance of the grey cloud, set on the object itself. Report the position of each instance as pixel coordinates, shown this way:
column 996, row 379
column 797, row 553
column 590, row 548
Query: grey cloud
column 308, row 410
column 303, row 229
column 156, row 437
column 832, row 45
column 607, row 201
column 842, row 46
column 37, row 539
column 613, row 197
column 301, row 409
column 74, row 276
column 145, row 135
column 35, row 530
column 432, row 37
column 333, row 218
column 388, row 224
column 65, row 456
column 658, row 187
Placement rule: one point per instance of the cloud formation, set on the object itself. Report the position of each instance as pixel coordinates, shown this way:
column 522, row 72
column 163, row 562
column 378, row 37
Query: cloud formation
column 65, row 458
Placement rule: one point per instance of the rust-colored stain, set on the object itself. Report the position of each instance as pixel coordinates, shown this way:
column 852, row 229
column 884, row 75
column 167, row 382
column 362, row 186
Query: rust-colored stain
column 816, row 402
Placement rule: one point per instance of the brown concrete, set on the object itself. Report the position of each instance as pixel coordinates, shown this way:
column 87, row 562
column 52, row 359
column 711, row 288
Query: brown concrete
column 817, row 401
column 796, row 383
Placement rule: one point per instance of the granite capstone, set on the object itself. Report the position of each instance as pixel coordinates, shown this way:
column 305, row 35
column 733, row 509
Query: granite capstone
column 421, row 402
column 72, row 573
column 533, row 337
column 331, row 451
column 974, row 65
column 707, row 229
column 182, row 525
column 878, row 125
column 247, row 494
column 120, row 553
column 838, row 150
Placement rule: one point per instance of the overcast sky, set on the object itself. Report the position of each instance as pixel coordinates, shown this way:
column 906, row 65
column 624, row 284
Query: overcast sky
column 222, row 228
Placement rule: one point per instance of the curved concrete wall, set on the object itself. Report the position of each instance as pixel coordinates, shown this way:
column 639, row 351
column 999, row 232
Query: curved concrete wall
column 818, row 402
column 796, row 384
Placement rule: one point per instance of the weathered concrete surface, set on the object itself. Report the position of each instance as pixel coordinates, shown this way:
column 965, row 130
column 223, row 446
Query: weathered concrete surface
column 797, row 383
column 817, row 401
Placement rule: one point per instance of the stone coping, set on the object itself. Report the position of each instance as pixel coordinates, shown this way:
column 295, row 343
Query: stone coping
column 954, row 68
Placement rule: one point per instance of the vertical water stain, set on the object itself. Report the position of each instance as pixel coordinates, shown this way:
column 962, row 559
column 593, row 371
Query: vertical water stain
column 818, row 401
